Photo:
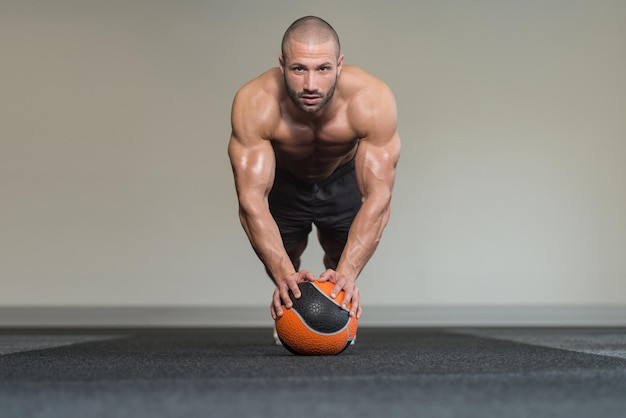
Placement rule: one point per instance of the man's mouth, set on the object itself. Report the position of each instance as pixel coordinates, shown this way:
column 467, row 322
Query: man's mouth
column 310, row 99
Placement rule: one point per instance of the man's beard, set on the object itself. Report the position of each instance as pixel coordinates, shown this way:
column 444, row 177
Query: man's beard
column 297, row 97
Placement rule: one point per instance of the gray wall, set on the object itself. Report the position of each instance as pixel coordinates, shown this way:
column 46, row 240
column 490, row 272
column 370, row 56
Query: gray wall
column 116, row 190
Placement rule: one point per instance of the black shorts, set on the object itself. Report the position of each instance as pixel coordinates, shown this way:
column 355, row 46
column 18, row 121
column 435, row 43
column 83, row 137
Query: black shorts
column 330, row 204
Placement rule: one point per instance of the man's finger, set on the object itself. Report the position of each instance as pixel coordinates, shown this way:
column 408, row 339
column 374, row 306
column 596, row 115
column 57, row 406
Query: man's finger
column 356, row 304
column 324, row 277
column 347, row 298
column 338, row 287
column 354, row 298
column 276, row 308
column 295, row 290
column 284, row 297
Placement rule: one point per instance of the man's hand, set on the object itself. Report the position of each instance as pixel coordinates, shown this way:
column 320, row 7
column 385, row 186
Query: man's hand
column 351, row 292
column 281, row 294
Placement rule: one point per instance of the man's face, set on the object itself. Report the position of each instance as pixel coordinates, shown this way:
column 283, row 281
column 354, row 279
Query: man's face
column 310, row 73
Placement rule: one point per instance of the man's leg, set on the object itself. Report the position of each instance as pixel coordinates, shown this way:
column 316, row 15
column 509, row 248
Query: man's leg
column 290, row 206
column 332, row 249
column 296, row 252
column 340, row 202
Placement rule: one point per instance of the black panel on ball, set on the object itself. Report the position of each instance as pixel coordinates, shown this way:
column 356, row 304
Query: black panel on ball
column 291, row 349
column 318, row 311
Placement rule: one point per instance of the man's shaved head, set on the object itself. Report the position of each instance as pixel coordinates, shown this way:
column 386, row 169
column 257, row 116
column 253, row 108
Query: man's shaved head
column 310, row 29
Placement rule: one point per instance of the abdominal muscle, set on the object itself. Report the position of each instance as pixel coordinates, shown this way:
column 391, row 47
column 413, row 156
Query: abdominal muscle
column 313, row 162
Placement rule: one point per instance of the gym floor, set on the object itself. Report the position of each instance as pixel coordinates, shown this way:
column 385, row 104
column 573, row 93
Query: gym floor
column 394, row 372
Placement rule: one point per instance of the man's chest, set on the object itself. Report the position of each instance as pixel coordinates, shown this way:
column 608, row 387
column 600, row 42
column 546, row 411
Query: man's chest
column 336, row 135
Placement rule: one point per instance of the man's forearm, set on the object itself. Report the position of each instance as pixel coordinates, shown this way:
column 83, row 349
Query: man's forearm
column 267, row 243
column 365, row 234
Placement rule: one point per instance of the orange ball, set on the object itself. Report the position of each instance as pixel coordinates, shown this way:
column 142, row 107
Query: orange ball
column 316, row 324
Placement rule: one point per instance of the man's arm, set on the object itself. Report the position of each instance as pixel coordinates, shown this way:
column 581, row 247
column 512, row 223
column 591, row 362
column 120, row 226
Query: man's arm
column 253, row 163
column 377, row 157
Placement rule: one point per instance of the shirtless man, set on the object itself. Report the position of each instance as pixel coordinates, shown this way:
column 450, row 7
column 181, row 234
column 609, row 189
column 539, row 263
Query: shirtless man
column 314, row 142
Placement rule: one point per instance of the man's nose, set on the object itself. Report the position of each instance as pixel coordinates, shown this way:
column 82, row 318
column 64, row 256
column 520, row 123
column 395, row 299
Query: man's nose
column 310, row 81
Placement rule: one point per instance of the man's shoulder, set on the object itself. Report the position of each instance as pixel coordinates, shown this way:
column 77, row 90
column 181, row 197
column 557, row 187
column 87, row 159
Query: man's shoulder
column 256, row 108
column 265, row 86
column 356, row 79
column 367, row 96
column 364, row 91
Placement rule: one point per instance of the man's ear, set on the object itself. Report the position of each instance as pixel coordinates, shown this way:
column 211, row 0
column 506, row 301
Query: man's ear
column 281, row 63
column 339, row 64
